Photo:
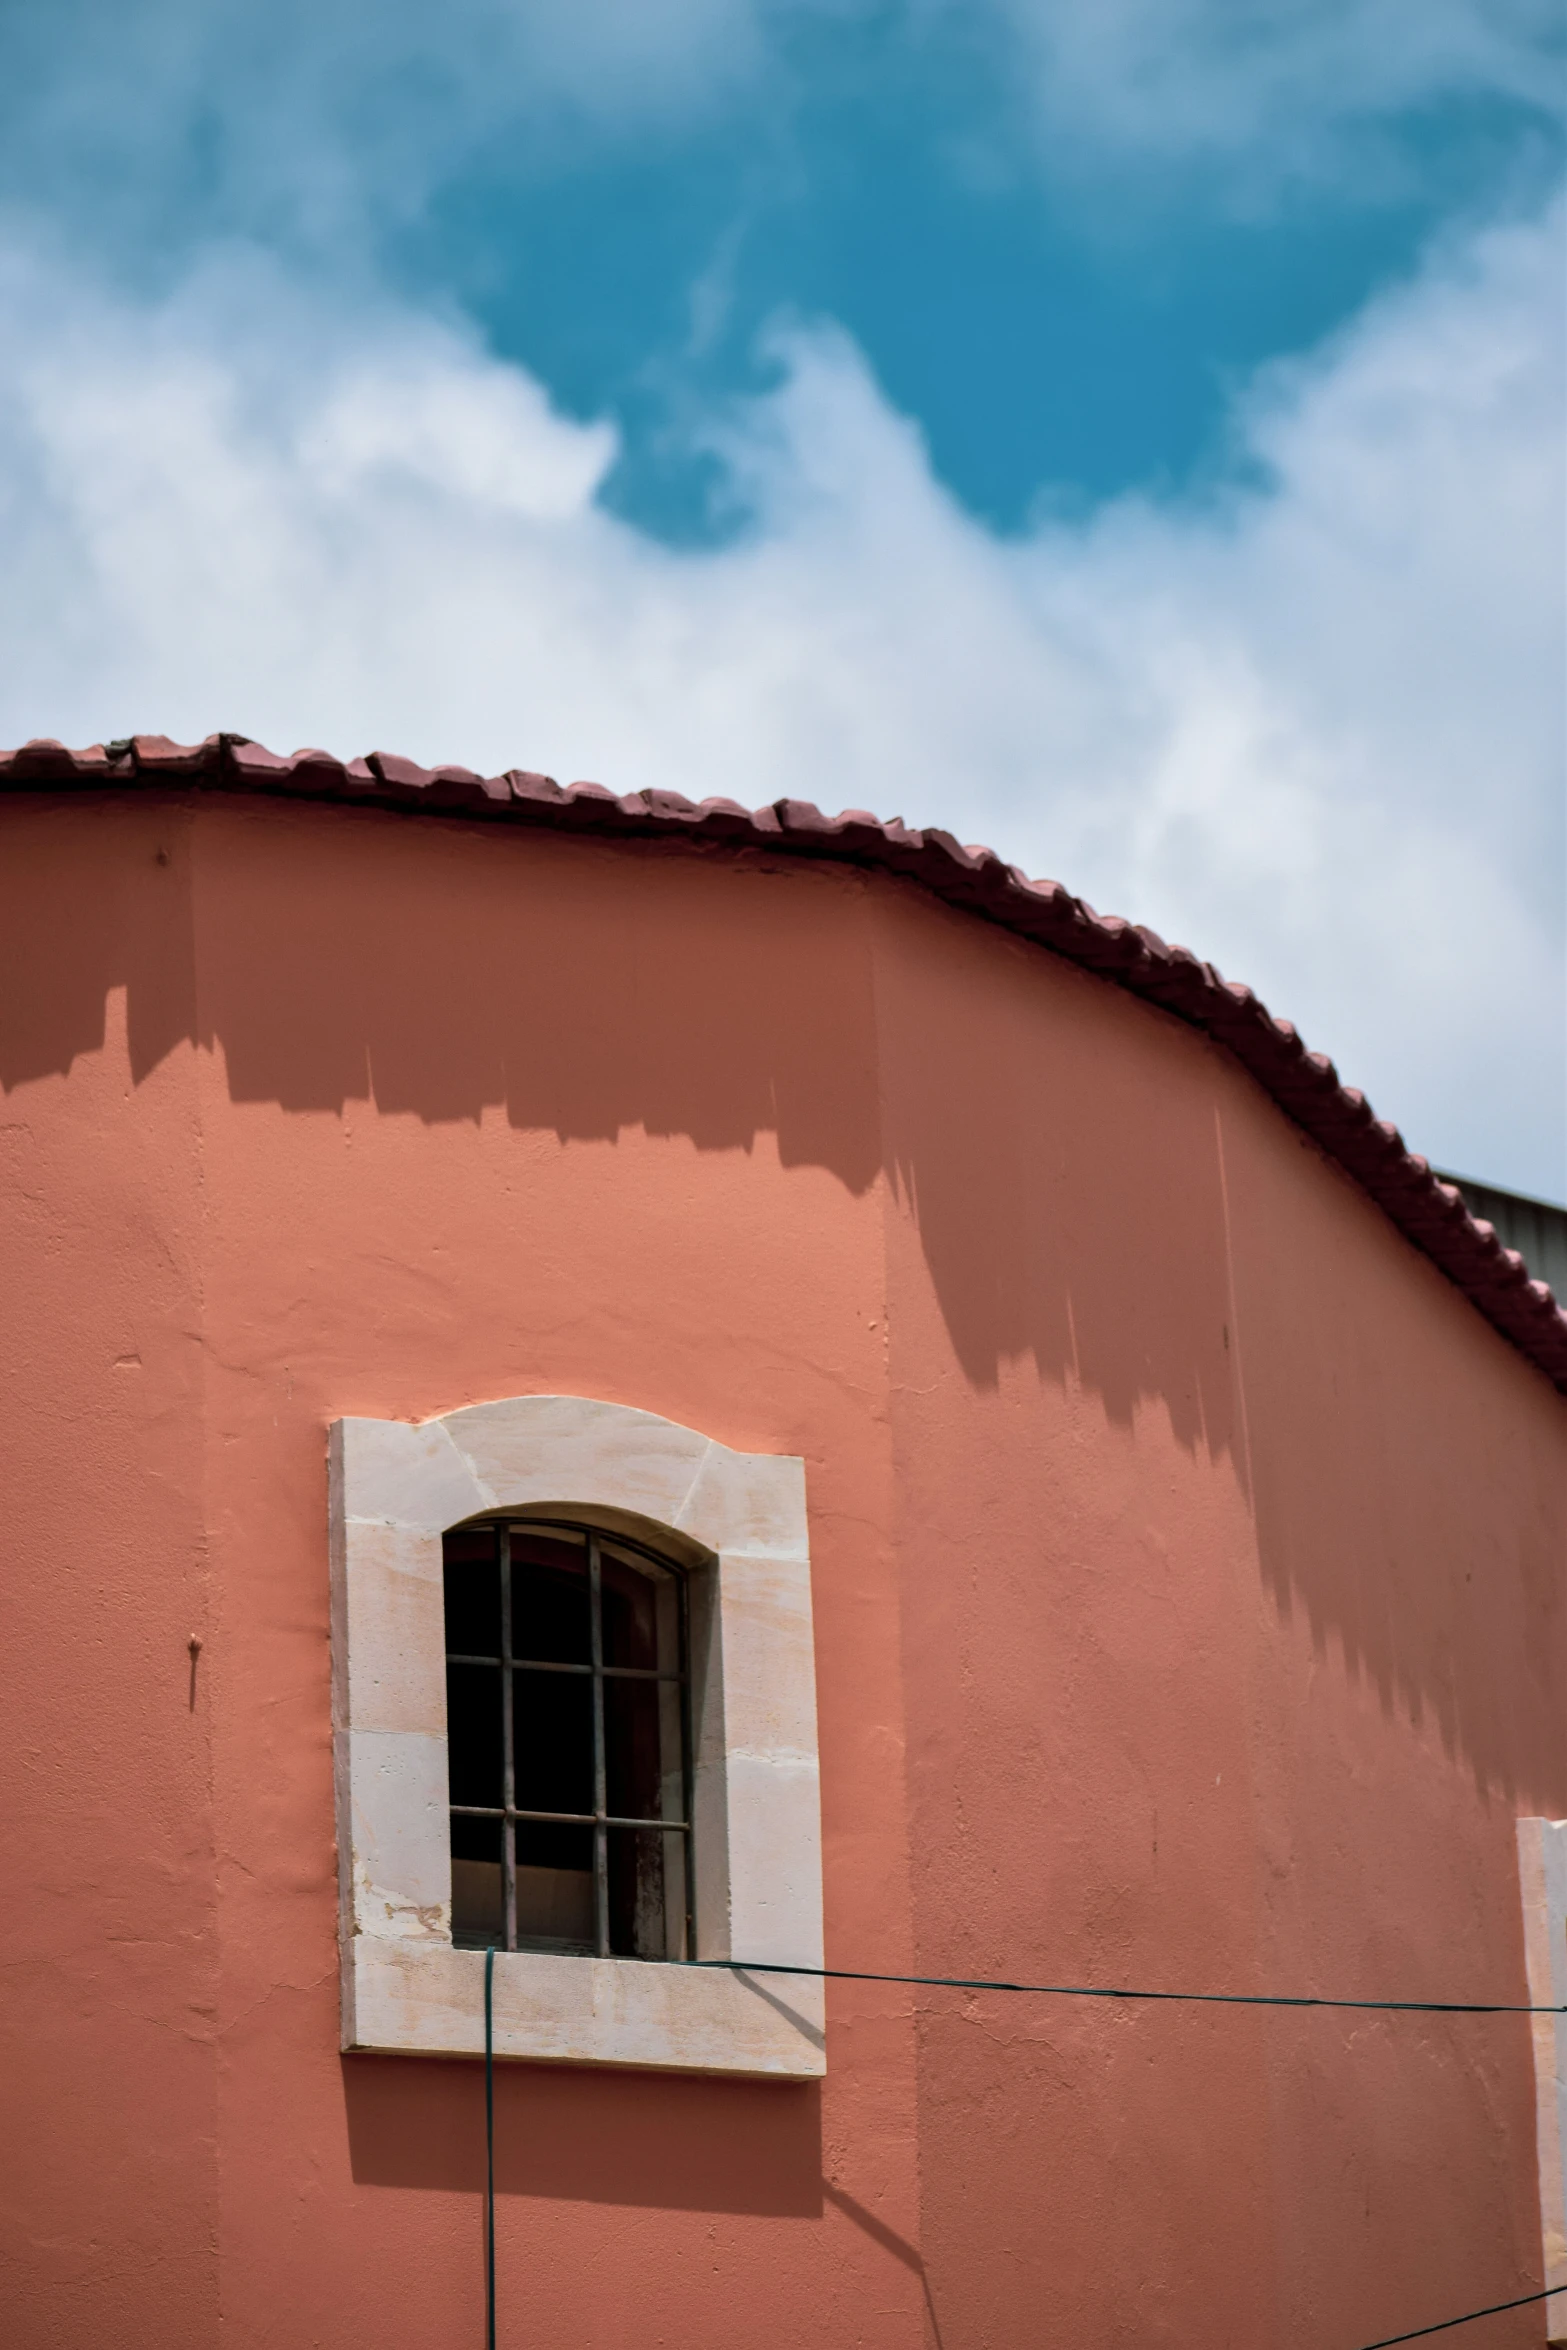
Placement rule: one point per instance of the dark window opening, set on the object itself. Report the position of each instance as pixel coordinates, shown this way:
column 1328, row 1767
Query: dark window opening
column 569, row 1743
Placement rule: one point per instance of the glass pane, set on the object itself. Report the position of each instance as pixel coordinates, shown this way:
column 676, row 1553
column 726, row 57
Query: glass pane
column 633, row 1760
column 549, row 1598
column 552, row 1727
column 630, row 1615
column 555, row 1905
column 477, row 1914
column 473, row 1594
column 473, row 1732
column 637, row 1906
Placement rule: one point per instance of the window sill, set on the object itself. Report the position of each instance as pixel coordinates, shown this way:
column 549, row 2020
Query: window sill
column 406, row 1998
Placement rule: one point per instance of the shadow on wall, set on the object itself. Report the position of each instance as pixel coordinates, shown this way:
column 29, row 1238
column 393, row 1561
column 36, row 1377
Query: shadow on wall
column 889, row 2241
column 1065, row 1172
column 1057, row 1148
column 334, row 946
column 643, row 2141
column 1105, row 1194
column 656, row 987
column 575, row 2135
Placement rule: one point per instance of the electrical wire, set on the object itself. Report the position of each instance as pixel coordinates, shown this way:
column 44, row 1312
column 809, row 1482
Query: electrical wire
column 1469, row 2316
column 838, row 1974
column 1044, row 1990
column 1186, row 1998
column 489, row 2148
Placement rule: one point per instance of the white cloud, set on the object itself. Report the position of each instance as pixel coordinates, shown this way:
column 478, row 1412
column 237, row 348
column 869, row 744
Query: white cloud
column 1312, row 726
column 319, row 123
column 322, row 123
column 1267, row 86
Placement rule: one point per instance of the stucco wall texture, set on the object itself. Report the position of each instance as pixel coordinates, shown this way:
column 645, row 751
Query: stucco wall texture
column 1188, row 1563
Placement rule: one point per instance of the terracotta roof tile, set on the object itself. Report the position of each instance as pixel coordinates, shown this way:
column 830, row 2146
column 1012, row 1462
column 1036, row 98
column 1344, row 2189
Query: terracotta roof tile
column 1429, row 1212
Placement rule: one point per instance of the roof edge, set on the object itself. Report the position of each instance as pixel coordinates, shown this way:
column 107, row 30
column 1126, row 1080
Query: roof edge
column 1428, row 1211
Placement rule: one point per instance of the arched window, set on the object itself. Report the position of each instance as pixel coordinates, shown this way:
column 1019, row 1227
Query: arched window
column 569, row 1742
column 574, row 1723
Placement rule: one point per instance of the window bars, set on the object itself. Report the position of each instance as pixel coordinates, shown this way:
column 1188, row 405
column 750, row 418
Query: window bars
column 569, row 1742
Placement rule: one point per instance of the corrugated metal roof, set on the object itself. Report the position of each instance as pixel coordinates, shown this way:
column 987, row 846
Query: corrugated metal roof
column 1428, row 1210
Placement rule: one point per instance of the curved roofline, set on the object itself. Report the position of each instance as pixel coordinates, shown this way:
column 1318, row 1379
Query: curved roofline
column 1426, row 1210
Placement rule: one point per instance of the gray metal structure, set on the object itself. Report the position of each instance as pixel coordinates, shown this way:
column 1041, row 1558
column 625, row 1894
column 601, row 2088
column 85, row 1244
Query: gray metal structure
column 1534, row 1227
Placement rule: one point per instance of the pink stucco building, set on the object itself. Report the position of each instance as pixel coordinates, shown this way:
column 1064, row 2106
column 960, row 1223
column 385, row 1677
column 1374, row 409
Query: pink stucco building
column 976, row 1437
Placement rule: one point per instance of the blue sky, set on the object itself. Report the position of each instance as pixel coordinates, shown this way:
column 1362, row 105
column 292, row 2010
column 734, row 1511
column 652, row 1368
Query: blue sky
column 1131, row 436
column 1022, row 319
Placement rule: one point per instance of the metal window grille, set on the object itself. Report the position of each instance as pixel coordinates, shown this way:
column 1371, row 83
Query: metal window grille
column 569, row 1741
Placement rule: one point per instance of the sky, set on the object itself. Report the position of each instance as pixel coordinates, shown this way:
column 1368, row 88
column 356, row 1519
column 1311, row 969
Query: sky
column 1130, row 436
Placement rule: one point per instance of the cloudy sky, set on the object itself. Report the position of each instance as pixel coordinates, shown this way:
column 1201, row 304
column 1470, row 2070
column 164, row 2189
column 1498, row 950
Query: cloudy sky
column 1127, row 434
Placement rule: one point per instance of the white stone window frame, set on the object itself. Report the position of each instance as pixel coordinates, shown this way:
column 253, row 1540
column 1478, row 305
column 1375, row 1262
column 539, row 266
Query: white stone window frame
column 1542, row 1877
column 736, row 1523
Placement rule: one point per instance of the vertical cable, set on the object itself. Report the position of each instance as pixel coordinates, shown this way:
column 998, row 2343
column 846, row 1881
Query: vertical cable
column 600, row 1787
column 508, row 1766
column 489, row 2148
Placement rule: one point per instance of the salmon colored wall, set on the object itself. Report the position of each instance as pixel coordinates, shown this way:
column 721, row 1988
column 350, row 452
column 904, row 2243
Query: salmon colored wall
column 1187, row 1576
